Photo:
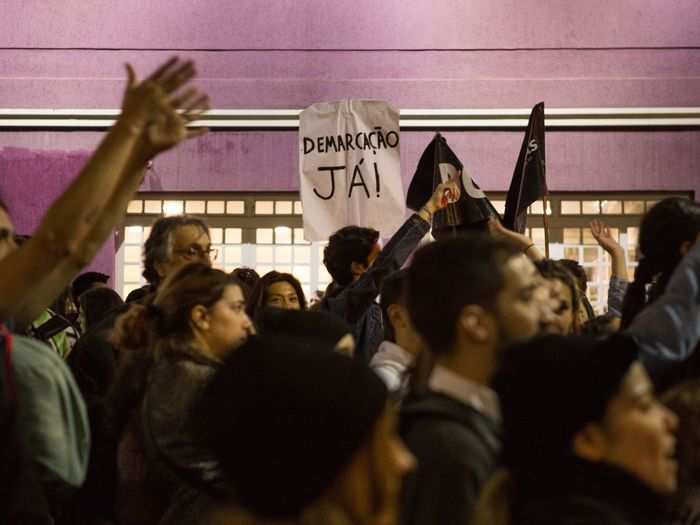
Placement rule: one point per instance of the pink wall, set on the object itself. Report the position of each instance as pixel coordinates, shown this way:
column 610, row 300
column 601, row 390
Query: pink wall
column 422, row 54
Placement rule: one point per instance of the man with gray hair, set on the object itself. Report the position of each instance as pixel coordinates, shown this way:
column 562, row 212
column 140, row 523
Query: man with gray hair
column 173, row 242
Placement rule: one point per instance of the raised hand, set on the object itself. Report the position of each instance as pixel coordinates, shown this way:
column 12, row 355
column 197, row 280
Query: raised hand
column 601, row 233
column 446, row 193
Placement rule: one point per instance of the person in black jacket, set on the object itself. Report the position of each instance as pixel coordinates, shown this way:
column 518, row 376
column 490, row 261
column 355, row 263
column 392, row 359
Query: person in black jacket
column 585, row 441
column 468, row 298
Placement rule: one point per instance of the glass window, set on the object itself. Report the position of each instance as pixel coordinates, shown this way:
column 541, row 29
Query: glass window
column 235, row 207
column 173, row 207
column 264, row 207
column 132, row 273
column 283, row 235
column 572, row 236
column 303, row 273
column 283, row 254
column 634, row 207
column 132, row 234
column 571, row 253
column 195, row 207
column 151, row 206
column 132, row 254
column 302, row 254
column 500, row 206
column 590, row 207
column 299, row 236
column 215, row 207
column 216, row 235
column 283, row 207
column 611, row 207
column 264, row 254
column 135, row 206
column 232, row 254
column 632, row 237
column 570, row 208
column 234, row 235
column 537, row 235
column 298, row 208
column 590, row 255
column 264, row 235
column 588, row 237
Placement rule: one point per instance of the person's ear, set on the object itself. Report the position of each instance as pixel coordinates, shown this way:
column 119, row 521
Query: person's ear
column 199, row 316
column 590, row 443
column 474, row 322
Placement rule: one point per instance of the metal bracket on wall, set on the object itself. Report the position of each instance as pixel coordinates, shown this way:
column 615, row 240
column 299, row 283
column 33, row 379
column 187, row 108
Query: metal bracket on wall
column 411, row 119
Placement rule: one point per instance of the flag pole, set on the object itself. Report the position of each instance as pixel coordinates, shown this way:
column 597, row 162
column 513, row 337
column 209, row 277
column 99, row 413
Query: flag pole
column 546, row 225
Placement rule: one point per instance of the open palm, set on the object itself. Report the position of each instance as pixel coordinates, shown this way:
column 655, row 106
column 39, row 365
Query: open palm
column 601, row 233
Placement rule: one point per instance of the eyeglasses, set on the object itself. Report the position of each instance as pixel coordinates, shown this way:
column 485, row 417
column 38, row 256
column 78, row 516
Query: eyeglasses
column 197, row 252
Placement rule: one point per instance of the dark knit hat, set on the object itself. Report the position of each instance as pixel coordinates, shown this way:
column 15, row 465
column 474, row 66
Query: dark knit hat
column 550, row 388
column 284, row 419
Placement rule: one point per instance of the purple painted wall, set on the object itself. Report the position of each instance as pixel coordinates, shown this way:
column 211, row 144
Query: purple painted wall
column 422, row 54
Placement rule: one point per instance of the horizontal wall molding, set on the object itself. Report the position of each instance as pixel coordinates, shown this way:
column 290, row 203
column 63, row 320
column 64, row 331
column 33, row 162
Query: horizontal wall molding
column 411, row 119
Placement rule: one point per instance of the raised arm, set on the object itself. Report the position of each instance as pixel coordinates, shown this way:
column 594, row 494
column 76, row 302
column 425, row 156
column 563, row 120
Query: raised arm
column 519, row 240
column 618, row 276
column 668, row 330
column 77, row 224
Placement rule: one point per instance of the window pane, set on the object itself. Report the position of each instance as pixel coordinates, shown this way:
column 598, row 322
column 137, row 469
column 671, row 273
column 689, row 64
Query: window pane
column 132, row 254
column 216, row 253
column 216, row 235
column 215, row 207
column 152, row 206
column 588, row 237
column 264, row 254
column 135, row 207
column 611, row 207
column 132, row 273
column 234, row 235
column 302, row 254
column 128, row 288
column 195, row 206
column 235, row 207
column 303, row 273
column 262, row 270
column 299, row 236
column 632, row 237
column 590, row 207
column 232, row 254
column 590, row 255
column 283, row 235
column 634, row 207
column 132, row 235
column 570, row 208
column 263, row 235
column 538, row 207
column 537, row 235
column 284, row 268
column 284, row 207
column 572, row 236
column 173, row 207
column 264, row 207
column 283, row 254
column 298, row 208
column 615, row 232
column 571, row 253
column 324, row 277
column 146, row 232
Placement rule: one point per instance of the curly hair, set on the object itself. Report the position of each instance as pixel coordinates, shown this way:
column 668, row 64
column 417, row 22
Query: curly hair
column 346, row 246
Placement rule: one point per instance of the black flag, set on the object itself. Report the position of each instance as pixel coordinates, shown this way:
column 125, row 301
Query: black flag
column 529, row 183
column 439, row 164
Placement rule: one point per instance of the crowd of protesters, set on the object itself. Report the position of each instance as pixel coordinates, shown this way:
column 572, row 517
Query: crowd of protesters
column 465, row 381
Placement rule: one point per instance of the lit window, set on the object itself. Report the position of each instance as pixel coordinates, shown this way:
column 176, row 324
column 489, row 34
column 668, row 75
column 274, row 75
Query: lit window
column 283, row 254
column 215, row 207
column 132, row 254
column 195, row 207
column 135, row 207
column 500, row 206
column 264, row 207
column 132, row 273
column 216, row 235
column 302, row 254
column 132, row 234
column 235, row 207
column 298, row 208
column 570, row 208
column 264, row 254
column 588, row 237
column 232, row 254
column 299, row 236
column 284, row 207
column 152, row 206
column 234, row 235
column 572, row 236
column 283, row 235
column 590, row 207
column 634, row 207
column 611, row 207
column 172, row 207
column 264, row 235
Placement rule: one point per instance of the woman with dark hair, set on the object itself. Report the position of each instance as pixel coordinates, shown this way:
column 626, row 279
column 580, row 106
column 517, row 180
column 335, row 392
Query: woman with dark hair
column 95, row 305
column 170, row 349
column 666, row 234
column 279, row 290
column 584, row 439
column 564, row 295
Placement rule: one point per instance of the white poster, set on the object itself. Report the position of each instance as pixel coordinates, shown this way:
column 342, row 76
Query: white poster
column 349, row 167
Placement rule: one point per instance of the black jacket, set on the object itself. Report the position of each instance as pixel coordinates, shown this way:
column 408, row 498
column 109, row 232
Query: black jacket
column 577, row 492
column 456, row 448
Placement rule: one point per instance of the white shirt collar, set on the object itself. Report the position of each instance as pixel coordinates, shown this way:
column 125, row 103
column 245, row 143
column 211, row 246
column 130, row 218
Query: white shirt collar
column 477, row 396
column 388, row 351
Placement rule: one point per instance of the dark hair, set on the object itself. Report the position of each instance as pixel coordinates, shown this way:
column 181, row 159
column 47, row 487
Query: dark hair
column 159, row 242
column 550, row 269
column 663, row 230
column 449, row 274
column 312, row 327
column 346, row 246
column 578, row 272
column 96, row 303
column 393, row 291
column 161, row 327
column 4, row 207
column 260, row 292
column 684, row 400
column 599, row 326
column 248, row 279
column 84, row 282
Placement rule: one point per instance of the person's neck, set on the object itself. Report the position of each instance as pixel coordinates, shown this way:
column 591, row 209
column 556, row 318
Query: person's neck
column 473, row 362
